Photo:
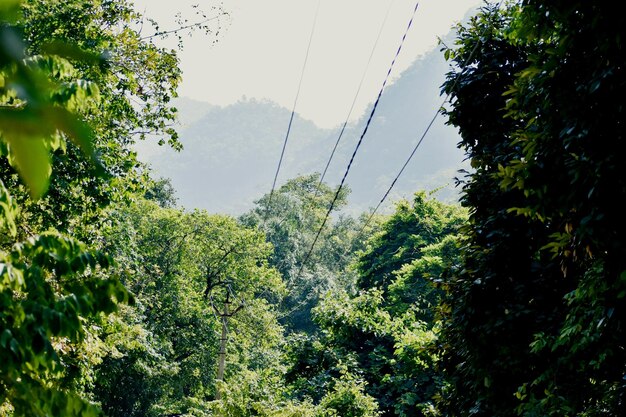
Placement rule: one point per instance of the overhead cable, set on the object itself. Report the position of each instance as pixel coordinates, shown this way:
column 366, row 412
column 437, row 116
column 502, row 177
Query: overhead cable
column 430, row 124
column 358, row 145
column 356, row 95
column 293, row 110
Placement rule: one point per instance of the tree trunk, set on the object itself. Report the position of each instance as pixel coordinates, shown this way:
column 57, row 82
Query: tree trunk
column 221, row 358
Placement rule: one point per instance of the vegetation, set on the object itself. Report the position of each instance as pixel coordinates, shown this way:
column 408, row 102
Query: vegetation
column 115, row 301
column 381, row 338
column 536, row 311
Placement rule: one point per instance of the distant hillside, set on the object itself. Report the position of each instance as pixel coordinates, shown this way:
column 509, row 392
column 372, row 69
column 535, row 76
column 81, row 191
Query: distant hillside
column 405, row 109
column 231, row 152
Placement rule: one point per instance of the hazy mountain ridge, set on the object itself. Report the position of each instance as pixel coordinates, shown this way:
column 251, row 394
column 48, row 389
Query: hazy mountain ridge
column 405, row 110
column 231, row 152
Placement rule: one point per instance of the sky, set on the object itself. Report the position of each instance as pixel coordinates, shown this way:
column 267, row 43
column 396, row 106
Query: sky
column 261, row 46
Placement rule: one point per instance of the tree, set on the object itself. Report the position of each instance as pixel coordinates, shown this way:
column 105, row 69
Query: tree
column 57, row 59
column 536, row 312
column 40, row 96
column 181, row 266
column 136, row 81
column 49, row 283
column 385, row 335
column 291, row 220
column 162, row 192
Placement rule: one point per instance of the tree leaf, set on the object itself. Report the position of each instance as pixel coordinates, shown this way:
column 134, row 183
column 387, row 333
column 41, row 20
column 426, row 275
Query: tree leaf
column 31, row 157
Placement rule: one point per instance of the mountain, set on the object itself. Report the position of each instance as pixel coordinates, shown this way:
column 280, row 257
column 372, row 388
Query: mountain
column 404, row 112
column 230, row 153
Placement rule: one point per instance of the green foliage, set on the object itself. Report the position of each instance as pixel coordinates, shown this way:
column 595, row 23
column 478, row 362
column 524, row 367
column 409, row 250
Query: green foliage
column 100, row 69
column 76, row 82
column 291, row 221
column 162, row 192
column 49, row 285
column 385, row 335
column 536, row 318
column 39, row 95
column 348, row 399
column 403, row 238
column 163, row 353
column 254, row 393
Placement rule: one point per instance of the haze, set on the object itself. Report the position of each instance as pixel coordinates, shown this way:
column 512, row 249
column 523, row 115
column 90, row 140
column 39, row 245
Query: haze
column 261, row 46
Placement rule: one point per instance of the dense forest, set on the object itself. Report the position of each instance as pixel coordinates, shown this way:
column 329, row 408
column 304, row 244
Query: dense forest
column 115, row 301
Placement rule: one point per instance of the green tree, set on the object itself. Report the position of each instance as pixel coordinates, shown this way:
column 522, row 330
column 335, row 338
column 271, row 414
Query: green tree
column 50, row 284
column 291, row 219
column 105, row 56
column 162, row 192
column 536, row 323
column 165, row 353
column 76, row 82
column 348, row 399
column 40, row 95
column 385, row 335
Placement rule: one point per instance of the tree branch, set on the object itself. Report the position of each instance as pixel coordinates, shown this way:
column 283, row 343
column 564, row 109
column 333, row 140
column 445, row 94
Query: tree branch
column 168, row 32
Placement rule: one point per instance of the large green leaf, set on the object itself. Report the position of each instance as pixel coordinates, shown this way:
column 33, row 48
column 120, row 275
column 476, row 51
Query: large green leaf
column 31, row 157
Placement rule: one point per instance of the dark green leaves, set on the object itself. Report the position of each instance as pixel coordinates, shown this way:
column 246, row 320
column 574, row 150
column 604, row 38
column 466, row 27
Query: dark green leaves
column 534, row 325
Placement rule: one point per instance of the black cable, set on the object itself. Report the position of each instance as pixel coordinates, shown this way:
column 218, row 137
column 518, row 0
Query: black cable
column 345, row 123
column 358, row 145
column 293, row 110
column 430, row 124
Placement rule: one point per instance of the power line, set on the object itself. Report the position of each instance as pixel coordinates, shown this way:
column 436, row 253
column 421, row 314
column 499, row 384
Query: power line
column 358, row 145
column 428, row 127
column 343, row 128
column 293, row 110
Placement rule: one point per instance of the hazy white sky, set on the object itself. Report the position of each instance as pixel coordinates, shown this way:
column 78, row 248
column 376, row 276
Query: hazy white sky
column 262, row 44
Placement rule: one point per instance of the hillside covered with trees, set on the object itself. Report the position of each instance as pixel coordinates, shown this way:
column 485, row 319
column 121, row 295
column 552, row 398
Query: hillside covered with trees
column 115, row 301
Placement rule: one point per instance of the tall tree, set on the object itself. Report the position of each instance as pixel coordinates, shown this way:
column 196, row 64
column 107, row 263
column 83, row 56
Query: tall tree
column 536, row 324
column 181, row 267
column 57, row 59
column 50, row 284
column 135, row 80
